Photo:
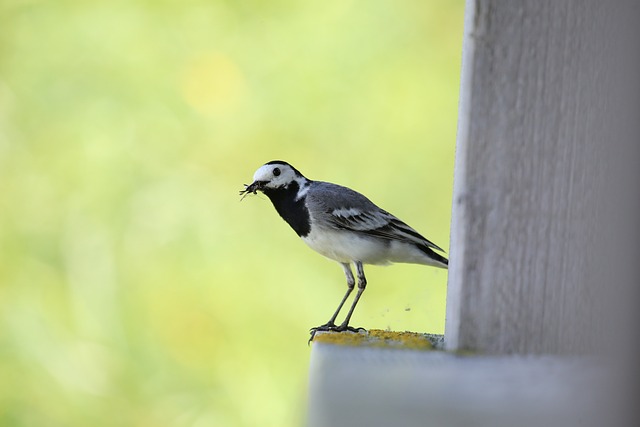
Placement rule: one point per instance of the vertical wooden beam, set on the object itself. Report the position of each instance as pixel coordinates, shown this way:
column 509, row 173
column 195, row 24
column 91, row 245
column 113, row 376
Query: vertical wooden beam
column 540, row 150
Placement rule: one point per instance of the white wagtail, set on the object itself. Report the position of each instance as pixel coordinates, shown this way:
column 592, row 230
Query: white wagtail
column 342, row 225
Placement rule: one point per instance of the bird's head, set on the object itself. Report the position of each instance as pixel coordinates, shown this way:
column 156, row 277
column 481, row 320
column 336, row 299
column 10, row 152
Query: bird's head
column 273, row 175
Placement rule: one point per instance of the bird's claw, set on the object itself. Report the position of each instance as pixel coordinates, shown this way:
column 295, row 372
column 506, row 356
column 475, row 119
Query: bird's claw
column 331, row 327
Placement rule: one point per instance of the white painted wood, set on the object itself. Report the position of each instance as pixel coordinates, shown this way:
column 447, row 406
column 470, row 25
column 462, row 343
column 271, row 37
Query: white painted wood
column 356, row 386
column 543, row 144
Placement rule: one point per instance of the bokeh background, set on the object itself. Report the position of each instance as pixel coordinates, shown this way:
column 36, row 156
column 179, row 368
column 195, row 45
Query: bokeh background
column 135, row 288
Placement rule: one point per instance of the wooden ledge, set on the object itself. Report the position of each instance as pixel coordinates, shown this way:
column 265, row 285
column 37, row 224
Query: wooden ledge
column 363, row 379
column 382, row 339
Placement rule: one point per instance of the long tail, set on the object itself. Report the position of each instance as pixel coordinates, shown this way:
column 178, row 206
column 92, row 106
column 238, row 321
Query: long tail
column 438, row 260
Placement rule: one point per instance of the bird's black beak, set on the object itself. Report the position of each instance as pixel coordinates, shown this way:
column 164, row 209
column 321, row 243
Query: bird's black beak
column 253, row 188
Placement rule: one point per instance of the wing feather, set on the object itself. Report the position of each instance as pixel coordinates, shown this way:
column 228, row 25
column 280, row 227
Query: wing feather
column 343, row 208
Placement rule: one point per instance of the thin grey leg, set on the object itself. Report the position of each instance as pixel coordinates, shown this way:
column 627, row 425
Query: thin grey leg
column 362, row 284
column 351, row 282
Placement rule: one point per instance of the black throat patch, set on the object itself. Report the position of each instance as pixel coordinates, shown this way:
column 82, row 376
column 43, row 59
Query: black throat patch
column 291, row 210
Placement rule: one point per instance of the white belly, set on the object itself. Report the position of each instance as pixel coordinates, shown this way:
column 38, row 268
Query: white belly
column 345, row 247
column 349, row 247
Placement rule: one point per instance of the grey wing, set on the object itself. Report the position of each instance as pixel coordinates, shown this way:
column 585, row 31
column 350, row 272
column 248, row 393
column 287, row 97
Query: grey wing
column 342, row 208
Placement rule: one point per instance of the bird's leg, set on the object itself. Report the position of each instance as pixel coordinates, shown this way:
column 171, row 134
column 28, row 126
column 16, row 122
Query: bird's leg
column 351, row 282
column 362, row 284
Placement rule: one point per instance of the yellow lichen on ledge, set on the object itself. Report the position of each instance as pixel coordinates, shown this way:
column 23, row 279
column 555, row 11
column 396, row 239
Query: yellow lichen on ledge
column 376, row 338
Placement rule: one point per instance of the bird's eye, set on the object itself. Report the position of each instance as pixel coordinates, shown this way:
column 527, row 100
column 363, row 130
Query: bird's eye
column 276, row 172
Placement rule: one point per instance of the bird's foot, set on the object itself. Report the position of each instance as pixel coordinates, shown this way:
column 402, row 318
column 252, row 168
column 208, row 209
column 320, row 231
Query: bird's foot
column 332, row 327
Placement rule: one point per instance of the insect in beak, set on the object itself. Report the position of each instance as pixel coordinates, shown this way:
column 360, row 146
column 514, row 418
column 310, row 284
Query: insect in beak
column 253, row 188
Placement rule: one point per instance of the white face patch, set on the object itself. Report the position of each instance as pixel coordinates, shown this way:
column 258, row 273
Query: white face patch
column 275, row 175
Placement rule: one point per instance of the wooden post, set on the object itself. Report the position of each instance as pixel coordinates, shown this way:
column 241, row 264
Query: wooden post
column 541, row 150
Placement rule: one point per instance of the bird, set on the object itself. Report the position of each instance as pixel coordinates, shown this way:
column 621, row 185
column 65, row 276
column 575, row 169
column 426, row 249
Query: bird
column 342, row 225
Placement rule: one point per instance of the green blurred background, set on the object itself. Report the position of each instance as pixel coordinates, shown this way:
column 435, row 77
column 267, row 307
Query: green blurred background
column 135, row 288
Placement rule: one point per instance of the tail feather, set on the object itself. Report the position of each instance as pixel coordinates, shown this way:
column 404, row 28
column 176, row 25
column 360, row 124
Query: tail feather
column 436, row 257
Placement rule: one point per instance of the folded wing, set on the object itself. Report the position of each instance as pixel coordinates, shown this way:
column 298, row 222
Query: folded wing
column 344, row 208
